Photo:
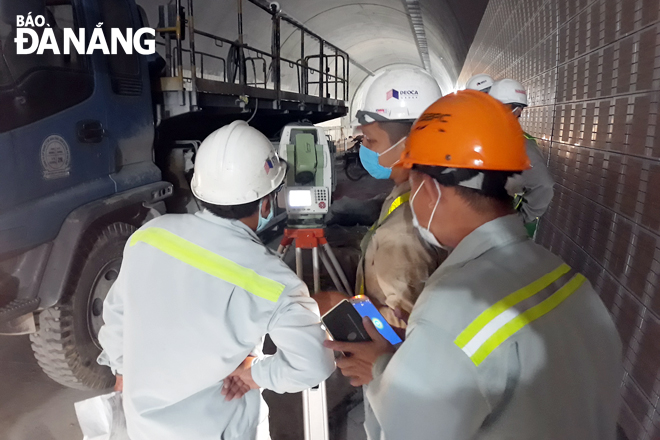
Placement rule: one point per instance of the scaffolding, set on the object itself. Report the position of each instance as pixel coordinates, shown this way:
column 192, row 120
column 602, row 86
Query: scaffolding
column 236, row 77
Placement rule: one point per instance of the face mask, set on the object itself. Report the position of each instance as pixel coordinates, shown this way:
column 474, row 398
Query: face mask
column 369, row 159
column 264, row 221
column 425, row 233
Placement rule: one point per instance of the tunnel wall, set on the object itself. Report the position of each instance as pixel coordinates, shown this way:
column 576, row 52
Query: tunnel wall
column 592, row 69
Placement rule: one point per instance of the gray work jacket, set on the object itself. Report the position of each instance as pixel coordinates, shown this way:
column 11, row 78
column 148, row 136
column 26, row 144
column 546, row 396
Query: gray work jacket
column 196, row 294
column 505, row 342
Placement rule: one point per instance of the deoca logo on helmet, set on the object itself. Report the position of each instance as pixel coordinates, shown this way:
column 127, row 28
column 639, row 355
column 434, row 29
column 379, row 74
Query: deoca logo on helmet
column 43, row 41
column 401, row 94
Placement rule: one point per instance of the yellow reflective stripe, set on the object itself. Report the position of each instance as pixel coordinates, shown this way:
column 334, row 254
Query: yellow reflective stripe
column 517, row 201
column 206, row 261
column 531, row 315
column 398, row 202
column 395, row 204
column 506, row 303
column 528, row 136
column 404, row 198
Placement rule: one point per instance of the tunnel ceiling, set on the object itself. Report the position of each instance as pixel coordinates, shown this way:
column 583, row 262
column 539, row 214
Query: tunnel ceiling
column 376, row 34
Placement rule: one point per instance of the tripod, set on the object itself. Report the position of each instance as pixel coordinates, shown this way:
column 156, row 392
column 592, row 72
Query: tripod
column 315, row 411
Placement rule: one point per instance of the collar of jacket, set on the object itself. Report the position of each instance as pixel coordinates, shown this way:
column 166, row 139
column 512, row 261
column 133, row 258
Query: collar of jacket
column 496, row 233
column 235, row 225
column 398, row 190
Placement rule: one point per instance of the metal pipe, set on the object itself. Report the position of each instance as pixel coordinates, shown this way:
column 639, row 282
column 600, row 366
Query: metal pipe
column 179, row 64
column 179, row 54
column 321, row 69
column 315, row 269
column 168, row 54
column 299, row 263
column 240, row 22
column 242, row 70
column 336, row 73
column 191, row 35
column 283, row 250
column 347, row 76
column 277, row 60
column 337, row 266
column 331, row 272
column 302, row 59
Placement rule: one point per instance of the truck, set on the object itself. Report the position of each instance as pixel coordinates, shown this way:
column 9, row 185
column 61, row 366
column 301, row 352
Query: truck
column 94, row 145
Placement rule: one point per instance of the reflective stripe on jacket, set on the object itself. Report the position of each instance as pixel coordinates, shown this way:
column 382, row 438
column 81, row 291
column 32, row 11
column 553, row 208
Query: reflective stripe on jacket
column 505, row 341
column 196, row 294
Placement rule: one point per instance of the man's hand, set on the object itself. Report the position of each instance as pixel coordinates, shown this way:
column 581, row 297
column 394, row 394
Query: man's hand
column 240, row 381
column 119, row 382
column 359, row 357
column 402, row 314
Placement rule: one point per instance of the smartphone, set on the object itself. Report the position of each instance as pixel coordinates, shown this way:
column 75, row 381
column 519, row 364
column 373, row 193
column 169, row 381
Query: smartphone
column 344, row 321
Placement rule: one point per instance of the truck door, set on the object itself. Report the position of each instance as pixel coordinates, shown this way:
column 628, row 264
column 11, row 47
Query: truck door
column 129, row 110
column 54, row 149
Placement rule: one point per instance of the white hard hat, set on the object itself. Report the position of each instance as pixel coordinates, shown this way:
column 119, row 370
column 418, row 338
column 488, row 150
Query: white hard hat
column 236, row 164
column 481, row 82
column 509, row 91
column 398, row 95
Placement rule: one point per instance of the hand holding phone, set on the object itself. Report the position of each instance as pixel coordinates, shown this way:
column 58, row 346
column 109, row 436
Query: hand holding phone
column 344, row 321
column 361, row 333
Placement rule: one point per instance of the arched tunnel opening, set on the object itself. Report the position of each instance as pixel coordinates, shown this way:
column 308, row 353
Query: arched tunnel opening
column 98, row 143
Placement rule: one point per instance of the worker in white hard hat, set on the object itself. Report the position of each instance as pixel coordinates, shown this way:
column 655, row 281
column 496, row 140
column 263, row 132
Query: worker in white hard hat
column 197, row 293
column 533, row 189
column 395, row 262
column 481, row 82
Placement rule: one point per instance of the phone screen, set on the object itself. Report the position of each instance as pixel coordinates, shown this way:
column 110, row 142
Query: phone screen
column 366, row 308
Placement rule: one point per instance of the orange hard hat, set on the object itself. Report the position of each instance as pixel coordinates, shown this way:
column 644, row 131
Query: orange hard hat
column 467, row 129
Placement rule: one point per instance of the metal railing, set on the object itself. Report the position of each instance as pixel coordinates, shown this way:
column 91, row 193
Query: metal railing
column 250, row 66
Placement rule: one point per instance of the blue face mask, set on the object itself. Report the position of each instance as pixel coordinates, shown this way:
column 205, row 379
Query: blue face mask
column 264, row 221
column 369, row 159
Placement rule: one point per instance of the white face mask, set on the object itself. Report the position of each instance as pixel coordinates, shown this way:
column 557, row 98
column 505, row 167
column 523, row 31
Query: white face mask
column 425, row 233
column 392, row 148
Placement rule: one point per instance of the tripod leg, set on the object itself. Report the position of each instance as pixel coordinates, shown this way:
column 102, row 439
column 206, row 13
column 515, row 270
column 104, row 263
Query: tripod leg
column 315, row 408
column 315, row 266
column 299, row 263
column 331, row 271
column 283, row 250
column 315, row 413
column 338, row 268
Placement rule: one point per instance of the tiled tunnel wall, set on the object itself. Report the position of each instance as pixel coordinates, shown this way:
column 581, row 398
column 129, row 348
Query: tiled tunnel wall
column 592, row 68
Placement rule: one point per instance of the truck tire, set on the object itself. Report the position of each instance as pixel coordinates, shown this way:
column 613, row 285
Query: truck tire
column 66, row 345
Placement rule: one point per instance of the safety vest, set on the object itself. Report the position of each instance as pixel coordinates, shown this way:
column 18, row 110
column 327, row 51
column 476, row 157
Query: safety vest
column 399, row 201
column 524, row 306
column 209, row 262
